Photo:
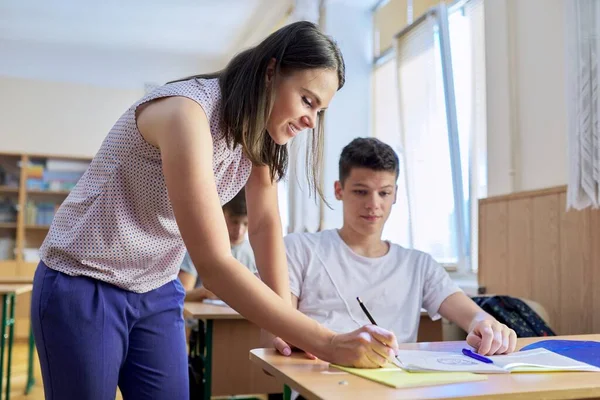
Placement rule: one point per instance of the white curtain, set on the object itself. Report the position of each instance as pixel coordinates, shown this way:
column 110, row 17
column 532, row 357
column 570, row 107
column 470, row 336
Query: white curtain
column 583, row 107
column 467, row 42
column 303, row 211
column 426, row 152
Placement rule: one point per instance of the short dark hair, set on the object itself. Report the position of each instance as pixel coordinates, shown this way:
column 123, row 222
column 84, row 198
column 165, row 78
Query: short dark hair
column 368, row 153
column 236, row 207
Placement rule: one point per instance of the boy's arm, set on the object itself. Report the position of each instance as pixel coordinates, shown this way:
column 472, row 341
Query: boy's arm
column 188, row 281
column 187, row 273
column 264, row 231
column 485, row 333
column 199, row 294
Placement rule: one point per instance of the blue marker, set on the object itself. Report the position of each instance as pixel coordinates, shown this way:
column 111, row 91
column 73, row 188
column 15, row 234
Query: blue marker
column 476, row 356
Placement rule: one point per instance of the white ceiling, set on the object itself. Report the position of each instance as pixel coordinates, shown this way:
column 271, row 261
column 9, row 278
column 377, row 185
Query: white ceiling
column 128, row 43
column 212, row 28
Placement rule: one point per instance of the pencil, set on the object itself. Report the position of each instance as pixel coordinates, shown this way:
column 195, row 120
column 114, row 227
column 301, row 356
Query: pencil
column 368, row 314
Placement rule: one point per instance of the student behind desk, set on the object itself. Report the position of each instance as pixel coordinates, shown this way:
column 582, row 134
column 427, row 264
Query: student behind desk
column 329, row 269
column 236, row 218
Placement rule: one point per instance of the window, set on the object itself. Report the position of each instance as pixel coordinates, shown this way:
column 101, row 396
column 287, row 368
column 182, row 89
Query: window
column 467, row 43
column 387, row 124
column 429, row 104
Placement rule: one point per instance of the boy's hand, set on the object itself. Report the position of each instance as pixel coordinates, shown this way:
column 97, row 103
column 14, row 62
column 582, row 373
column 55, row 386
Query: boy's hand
column 492, row 337
column 199, row 294
column 207, row 294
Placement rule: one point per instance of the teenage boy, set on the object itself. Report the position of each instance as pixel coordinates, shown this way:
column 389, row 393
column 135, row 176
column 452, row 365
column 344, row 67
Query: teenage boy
column 330, row 269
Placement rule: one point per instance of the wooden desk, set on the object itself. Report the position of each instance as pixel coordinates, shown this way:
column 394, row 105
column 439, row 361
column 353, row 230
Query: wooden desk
column 311, row 379
column 23, row 280
column 228, row 339
column 429, row 330
column 9, row 291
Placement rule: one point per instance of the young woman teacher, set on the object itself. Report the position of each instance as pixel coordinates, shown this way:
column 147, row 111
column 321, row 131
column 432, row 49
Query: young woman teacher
column 106, row 306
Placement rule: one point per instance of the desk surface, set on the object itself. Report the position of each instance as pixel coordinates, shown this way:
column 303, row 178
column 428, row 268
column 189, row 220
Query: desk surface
column 316, row 380
column 14, row 288
column 199, row 310
column 16, row 279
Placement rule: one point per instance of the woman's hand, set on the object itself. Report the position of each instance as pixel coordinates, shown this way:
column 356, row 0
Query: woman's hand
column 367, row 347
column 286, row 349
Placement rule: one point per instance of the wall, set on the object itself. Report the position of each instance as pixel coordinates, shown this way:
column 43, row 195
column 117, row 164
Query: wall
column 526, row 98
column 532, row 247
column 58, row 118
column 107, row 67
column 64, row 98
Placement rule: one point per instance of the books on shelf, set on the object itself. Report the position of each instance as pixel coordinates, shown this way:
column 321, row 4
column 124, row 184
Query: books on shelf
column 54, row 174
column 31, row 255
column 7, row 245
column 8, row 210
column 40, row 213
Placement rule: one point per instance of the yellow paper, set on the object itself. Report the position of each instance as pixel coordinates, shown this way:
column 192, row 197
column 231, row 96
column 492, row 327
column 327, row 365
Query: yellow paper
column 397, row 378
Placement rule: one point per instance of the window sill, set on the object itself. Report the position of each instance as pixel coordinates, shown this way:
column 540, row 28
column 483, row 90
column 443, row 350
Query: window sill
column 467, row 281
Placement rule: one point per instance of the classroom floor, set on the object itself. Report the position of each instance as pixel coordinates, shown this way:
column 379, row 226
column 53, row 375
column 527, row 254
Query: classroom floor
column 19, row 377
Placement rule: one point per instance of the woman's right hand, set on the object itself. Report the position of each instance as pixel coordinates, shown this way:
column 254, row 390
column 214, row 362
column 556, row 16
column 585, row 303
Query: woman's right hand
column 367, row 347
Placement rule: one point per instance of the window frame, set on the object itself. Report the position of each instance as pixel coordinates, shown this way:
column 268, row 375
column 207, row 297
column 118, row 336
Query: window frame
column 465, row 230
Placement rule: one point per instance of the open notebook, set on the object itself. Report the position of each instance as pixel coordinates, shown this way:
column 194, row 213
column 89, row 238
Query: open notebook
column 537, row 360
column 215, row 302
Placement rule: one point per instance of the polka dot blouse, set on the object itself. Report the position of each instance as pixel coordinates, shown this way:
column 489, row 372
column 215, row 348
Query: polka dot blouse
column 117, row 224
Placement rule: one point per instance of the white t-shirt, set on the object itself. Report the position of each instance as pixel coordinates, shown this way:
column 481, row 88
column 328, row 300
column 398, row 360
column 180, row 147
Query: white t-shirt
column 327, row 276
column 244, row 254
column 241, row 252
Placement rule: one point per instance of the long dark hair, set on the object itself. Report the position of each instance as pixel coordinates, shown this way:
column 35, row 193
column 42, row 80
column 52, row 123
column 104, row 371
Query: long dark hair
column 247, row 100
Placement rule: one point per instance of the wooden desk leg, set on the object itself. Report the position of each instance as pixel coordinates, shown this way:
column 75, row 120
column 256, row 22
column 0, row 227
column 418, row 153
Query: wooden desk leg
column 3, row 337
column 8, row 320
column 287, row 392
column 11, row 335
column 208, row 360
column 30, row 377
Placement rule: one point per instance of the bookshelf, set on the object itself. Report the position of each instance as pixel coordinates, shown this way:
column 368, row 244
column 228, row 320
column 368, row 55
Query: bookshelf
column 32, row 187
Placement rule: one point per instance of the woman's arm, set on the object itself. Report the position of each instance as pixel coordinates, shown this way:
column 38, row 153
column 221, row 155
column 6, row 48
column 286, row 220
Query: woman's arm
column 264, row 231
column 180, row 129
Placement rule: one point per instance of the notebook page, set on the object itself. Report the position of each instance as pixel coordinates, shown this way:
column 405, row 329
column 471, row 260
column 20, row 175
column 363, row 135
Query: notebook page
column 539, row 360
column 420, row 361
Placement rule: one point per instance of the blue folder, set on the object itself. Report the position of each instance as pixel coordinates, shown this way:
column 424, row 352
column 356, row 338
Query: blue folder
column 580, row 350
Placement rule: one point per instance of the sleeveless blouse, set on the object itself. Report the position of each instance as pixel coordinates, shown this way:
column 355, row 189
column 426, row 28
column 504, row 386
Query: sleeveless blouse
column 117, row 225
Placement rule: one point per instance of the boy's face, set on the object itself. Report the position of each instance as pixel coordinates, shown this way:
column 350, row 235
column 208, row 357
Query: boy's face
column 237, row 225
column 367, row 196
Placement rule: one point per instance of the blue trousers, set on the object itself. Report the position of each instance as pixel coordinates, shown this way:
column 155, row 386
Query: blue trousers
column 92, row 336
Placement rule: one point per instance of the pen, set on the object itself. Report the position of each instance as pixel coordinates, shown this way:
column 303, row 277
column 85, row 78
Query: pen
column 368, row 314
column 476, row 356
